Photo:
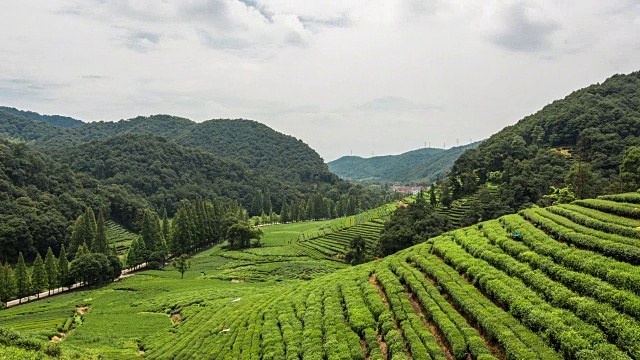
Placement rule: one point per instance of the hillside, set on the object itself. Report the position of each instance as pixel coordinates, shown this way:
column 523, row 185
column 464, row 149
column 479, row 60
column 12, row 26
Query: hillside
column 160, row 170
column 554, row 283
column 421, row 166
column 279, row 156
column 55, row 120
column 40, row 198
column 277, row 164
column 578, row 142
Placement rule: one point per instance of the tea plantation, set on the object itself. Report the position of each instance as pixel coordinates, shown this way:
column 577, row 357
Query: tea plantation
column 555, row 283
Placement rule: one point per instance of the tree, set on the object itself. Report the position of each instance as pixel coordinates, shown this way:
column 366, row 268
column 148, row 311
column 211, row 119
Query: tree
column 100, row 243
column 411, row 225
column 284, row 213
column 560, row 195
column 241, row 233
column 445, row 194
column 433, row 200
column 181, row 236
column 38, row 276
column 630, row 168
column 77, row 235
column 137, row 253
column 90, row 226
column 9, row 288
column 64, row 276
column 357, row 250
column 23, row 280
column 82, row 250
column 166, row 227
column 92, row 269
column 182, row 264
column 51, row 269
column 581, row 180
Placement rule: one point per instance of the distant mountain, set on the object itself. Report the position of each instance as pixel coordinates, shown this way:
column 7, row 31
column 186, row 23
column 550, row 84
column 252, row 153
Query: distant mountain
column 279, row 165
column 55, row 120
column 422, row 166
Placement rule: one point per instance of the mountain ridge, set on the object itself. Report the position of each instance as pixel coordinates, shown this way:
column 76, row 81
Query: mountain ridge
column 423, row 165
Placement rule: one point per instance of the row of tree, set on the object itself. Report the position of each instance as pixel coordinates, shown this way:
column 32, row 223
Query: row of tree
column 196, row 225
column 87, row 268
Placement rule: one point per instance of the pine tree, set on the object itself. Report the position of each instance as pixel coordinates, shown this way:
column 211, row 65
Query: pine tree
column 258, row 203
column 267, row 206
column 100, row 243
column 82, row 250
column 51, row 269
column 166, row 227
column 284, row 213
column 10, row 287
column 63, row 268
column 137, row 253
column 3, row 283
column 182, row 231
column 38, row 276
column 90, row 226
column 64, row 277
column 23, row 280
column 77, row 235
column 432, row 196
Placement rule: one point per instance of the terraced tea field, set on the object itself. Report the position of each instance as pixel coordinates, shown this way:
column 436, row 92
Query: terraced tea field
column 555, row 283
column 119, row 236
column 551, row 283
column 336, row 244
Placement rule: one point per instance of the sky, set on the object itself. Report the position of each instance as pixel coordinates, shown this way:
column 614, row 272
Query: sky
column 370, row 77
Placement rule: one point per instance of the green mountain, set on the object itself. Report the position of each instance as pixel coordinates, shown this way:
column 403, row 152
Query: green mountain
column 56, row 120
column 161, row 171
column 421, row 166
column 578, row 142
column 39, row 198
column 286, row 166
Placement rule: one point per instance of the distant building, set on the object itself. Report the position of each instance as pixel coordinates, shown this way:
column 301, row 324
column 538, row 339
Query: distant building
column 408, row 190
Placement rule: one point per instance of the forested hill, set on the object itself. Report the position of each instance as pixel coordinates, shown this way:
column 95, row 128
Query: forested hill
column 578, row 142
column 287, row 166
column 56, row 120
column 418, row 166
column 160, row 170
column 39, row 198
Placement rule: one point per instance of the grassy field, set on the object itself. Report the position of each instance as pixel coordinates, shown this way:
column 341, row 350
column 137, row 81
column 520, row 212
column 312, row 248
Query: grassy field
column 555, row 283
column 120, row 314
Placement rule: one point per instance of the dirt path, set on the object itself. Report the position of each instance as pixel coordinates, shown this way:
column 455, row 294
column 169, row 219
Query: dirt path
column 433, row 329
column 496, row 350
column 385, row 301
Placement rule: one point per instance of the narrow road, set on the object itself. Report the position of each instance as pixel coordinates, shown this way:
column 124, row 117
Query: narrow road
column 125, row 273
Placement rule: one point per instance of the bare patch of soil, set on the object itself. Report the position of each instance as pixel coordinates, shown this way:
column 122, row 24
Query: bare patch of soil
column 402, row 203
column 383, row 346
column 83, row 310
column 56, row 338
column 176, row 318
column 236, row 281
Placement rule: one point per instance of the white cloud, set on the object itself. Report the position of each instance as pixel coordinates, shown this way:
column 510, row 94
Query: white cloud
column 361, row 75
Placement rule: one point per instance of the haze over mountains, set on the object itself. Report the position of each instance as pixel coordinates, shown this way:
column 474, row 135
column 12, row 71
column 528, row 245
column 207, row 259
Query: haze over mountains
column 421, row 166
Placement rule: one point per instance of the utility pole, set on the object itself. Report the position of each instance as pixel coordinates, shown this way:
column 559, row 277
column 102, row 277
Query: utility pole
column 457, row 142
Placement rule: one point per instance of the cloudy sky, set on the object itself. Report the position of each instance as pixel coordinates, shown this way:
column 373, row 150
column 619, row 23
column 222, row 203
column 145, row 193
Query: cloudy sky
column 367, row 76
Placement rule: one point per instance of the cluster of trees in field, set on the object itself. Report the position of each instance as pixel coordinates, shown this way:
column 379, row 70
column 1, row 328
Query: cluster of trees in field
column 196, row 225
column 412, row 224
column 93, row 263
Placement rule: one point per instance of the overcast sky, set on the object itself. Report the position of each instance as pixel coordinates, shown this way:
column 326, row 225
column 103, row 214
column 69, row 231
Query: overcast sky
column 362, row 75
